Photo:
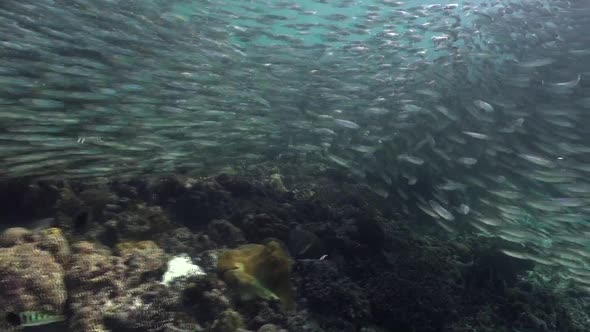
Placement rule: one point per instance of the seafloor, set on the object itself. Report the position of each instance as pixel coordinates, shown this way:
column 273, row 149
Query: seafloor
column 312, row 252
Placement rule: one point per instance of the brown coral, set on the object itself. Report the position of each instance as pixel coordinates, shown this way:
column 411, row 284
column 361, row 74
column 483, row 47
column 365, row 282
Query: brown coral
column 15, row 235
column 142, row 258
column 93, row 278
column 53, row 241
column 141, row 222
column 229, row 321
column 30, row 280
column 259, row 271
column 101, row 282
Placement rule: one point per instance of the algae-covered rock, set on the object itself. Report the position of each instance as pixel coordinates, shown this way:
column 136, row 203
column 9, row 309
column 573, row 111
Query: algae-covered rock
column 259, row 271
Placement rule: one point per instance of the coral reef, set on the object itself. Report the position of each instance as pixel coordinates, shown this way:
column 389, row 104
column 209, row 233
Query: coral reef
column 31, row 271
column 263, row 225
column 304, row 244
column 53, row 241
column 93, row 279
column 149, row 307
column 144, row 260
column 329, row 292
column 15, row 235
column 350, row 265
column 141, row 222
column 182, row 240
column 224, row 233
column 228, row 321
column 31, row 280
column 119, row 292
column 204, row 297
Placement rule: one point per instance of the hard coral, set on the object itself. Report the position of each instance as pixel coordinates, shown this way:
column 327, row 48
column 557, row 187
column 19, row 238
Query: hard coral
column 142, row 258
column 203, row 202
column 331, row 294
column 183, row 241
column 109, row 291
column 94, row 278
column 230, row 321
column 225, row 233
column 68, row 204
column 141, row 222
column 259, row 271
column 30, row 280
column 271, row 328
column 96, row 199
column 53, row 241
column 15, row 235
column 204, row 296
column 261, row 226
column 147, row 308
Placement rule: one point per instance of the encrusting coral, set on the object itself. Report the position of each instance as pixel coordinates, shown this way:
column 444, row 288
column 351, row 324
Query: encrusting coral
column 259, row 271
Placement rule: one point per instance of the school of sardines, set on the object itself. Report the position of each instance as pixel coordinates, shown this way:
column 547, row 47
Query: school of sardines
column 475, row 115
